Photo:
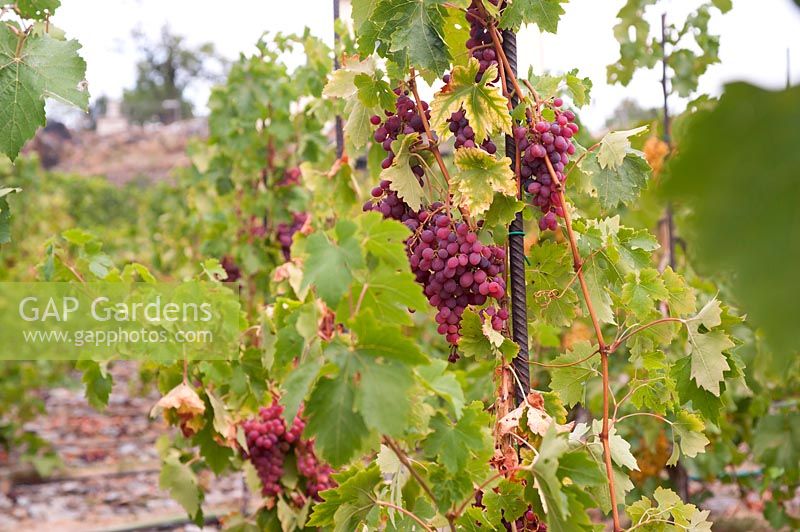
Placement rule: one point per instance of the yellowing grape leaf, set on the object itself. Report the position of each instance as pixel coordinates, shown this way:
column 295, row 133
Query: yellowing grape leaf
column 614, row 146
column 402, row 180
column 484, row 104
column 480, row 176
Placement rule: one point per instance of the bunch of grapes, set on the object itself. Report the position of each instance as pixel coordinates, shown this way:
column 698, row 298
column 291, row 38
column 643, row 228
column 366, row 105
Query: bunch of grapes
column 455, row 268
column 404, row 121
column 551, row 140
column 465, row 136
column 231, row 268
column 529, row 522
column 480, row 41
column 285, row 232
column 269, row 440
column 291, row 177
column 389, row 204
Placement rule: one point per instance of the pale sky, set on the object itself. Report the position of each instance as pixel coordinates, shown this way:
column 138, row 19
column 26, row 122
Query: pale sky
column 754, row 37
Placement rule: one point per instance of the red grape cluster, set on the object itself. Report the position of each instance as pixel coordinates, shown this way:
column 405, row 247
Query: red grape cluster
column 497, row 317
column 285, row 232
column 455, row 268
column 389, row 204
column 480, row 41
column 405, row 121
column 542, row 140
column 269, row 440
column 465, row 136
column 291, row 177
column 231, row 268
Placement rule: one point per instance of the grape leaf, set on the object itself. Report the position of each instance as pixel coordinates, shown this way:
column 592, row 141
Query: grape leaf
column 401, row 179
column 620, row 448
column 708, row 176
column 342, row 83
column 681, row 298
column 382, row 396
column 701, row 400
column 614, row 146
column 570, row 382
column 480, row 176
column 43, row 68
column 688, row 428
column 36, row 9
column 622, row 185
column 684, row 516
column 543, row 13
column 545, row 469
column 443, row 383
column 355, row 490
column 453, row 442
column 296, row 387
column 420, row 34
column 361, row 11
column 339, row 430
column 384, row 238
column 358, row 128
column 708, row 361
column 502, row 210
column 485, row 106
column 504, row 501
column 546, row 85
column 329, row 265
column 374, row 91
column 384, row 340
column 5, row 214
column 642, row 290
column 181, row 482
column 548, row 275
column 578, row 87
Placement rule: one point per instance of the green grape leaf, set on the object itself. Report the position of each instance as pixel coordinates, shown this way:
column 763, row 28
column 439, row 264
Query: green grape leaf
column 452, row 443
column 681, row 298
column 723, row 5
column 642, row 290
column 332, row 419
column 383, row 395
column 475, row 342
column 622, row 185
column 684, row 516
column 329, row 264
column 5, row 215
column 545, row 469
column 181, row 482
column 98, row 382
column 361, row 11
column 709, row 363
column 401, row 179
column 355, row 491
column 421, row 34
column 581, row 469
column 456, row 34
column 688, row 428
column 708, row 176
column 620, row 448
column 36, row 9
column 374, row 91
column 358, row 128
column 296, row 386
column 384, row 340
column 701, row 400
column 383, row 238
column 444, row 384
column 614, row 146
column 485, row 106
column 505, row 501
column 570, row 382
column 549, row 274
column 502, row 210
column 480, row 176
column 580, row 88
column 546, row 85
column 776, row 441
column 43, row 67
column 544, row 13
column 388, row 293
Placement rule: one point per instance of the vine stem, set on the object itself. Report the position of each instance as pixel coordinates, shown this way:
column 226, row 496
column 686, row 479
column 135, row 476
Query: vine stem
column 400, row 509
column 614, row 346
column 578, row 266
column 432, row 146
column 390, row 443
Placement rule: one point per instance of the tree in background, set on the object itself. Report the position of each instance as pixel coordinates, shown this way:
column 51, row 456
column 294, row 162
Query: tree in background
column 167, row 68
